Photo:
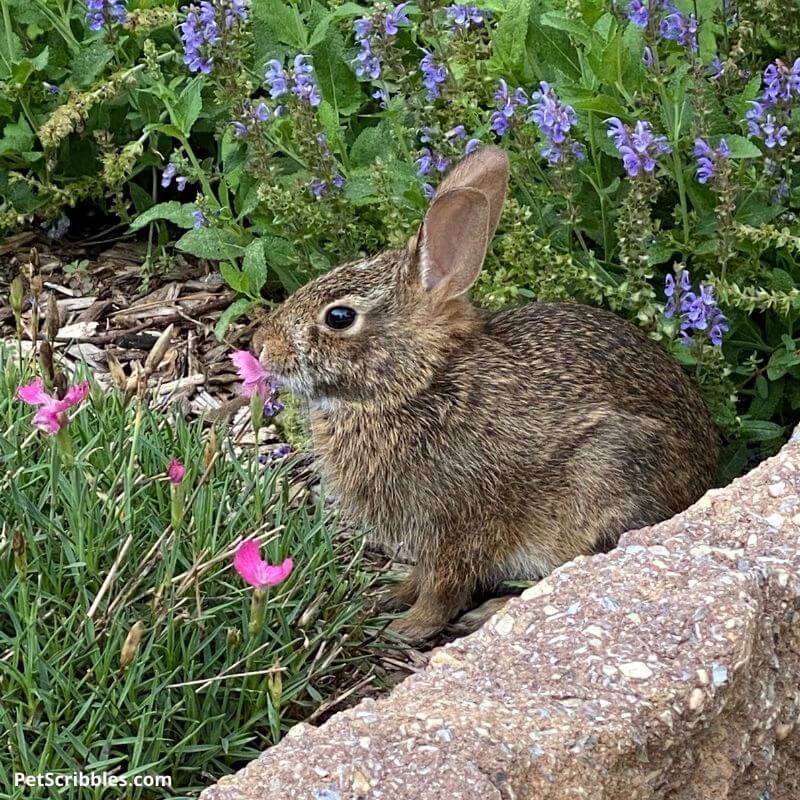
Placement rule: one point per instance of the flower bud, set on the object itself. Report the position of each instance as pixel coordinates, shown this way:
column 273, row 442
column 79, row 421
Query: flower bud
column 16, row 294
column 275, row 684
column 234, row 637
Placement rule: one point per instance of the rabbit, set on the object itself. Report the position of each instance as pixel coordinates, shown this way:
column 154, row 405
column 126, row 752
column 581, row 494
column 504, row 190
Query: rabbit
column 494, row 446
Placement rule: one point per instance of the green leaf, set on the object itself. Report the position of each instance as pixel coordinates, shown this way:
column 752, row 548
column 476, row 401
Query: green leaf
column 187, row 109
column 336, row 79
column 741, row 147
column 781, row 361
column 509, row 36
column 561, row 22
column 372, row 143
column 234, row 310
column 329, row 120
column 760, row 430
column 89, row 62
column 17, row 137
column 215, row 244
column 284, row 21
column 254, row 267
column 601, row 104
column 174, row 211
column 235, row 278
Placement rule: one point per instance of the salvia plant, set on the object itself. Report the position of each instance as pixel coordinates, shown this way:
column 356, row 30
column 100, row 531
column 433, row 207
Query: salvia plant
column 654, row 146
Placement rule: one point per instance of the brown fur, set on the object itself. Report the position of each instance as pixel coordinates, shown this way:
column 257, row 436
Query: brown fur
column 494, row 446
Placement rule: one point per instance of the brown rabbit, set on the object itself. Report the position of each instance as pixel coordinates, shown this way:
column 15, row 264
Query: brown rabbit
column 494, row 446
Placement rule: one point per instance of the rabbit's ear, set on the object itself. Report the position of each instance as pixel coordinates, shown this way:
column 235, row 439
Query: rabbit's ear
column 486, row 170
column 452, row 241
column 455, row 234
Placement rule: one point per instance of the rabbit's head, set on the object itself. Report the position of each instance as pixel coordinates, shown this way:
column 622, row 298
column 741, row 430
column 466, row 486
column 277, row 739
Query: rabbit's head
column 374, row 329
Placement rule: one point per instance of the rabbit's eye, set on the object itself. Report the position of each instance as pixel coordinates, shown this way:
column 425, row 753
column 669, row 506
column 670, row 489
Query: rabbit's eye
column 340, row 317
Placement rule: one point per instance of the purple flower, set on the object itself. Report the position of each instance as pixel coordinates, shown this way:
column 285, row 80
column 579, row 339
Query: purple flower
column 471, row 146
column 101, row 12
column 699, row 311
column 424, row 162
column 305, row 85
column 638, row 13
column 768, row 115
column 428, row 190
column 647, row 57
column 433, row 75
column 396, row 19
column 677, row 27
column 462, row 17
column 300, row 81
column 167, row 175
column 276, row 79
column 338, row 180
column 200, row 33
column 51, row 88
column 459, row 132
column 199, row 218
column 372, row 35
column 507, row 104
column 381, row 96
column 707, row 158
column 554, row 120
column 638, row 147
column 716, row 68
column 317, row 187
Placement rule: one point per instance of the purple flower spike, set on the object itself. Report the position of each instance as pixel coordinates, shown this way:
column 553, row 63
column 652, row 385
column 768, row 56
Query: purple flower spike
column 100, row 13
column 433, row 75
column 699, row 311
column 638, row 147
column 554, row 119
column 707, row 158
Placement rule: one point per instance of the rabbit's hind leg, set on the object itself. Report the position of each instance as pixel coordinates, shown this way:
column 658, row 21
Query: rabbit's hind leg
column 619, row 479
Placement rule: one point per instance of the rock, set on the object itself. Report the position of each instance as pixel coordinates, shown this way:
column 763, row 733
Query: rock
column 667, row 668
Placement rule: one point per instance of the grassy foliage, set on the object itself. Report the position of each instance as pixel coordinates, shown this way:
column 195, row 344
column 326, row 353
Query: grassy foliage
column 200, row 695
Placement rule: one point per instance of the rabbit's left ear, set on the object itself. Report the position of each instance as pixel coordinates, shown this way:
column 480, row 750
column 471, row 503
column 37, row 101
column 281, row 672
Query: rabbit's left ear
column 454, row 236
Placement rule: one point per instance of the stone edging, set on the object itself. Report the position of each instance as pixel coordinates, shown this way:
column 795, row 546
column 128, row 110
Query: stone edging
column 668, row 668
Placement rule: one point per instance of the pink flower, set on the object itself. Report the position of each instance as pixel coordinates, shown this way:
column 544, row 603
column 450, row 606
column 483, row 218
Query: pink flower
column 52, row 414
column 176, row 471
column 248, row 563
column 254, row 377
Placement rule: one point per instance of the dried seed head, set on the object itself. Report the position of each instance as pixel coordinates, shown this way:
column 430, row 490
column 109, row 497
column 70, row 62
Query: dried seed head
column 19, row 548
column 158, row 351
column 118, row 376
column 211, row 448
column 53, row 318
column 131, row 645
column 46, row 363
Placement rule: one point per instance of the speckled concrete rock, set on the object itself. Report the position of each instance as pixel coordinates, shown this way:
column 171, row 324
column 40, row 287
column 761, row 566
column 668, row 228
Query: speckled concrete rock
column 669, row 668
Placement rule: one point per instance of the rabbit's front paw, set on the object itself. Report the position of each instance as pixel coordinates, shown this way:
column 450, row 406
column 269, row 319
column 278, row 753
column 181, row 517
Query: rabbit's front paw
column 398, row 597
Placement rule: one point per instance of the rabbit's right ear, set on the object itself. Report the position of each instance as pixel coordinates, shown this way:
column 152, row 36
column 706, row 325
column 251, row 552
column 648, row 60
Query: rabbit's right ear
column 454, row 236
